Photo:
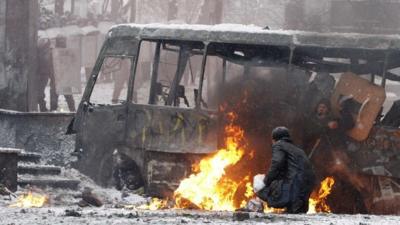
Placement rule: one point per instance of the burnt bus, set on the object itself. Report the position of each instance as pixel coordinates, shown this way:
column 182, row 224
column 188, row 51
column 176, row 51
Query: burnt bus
column 169, row 81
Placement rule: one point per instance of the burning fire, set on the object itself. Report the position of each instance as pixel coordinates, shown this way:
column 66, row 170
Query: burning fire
column 154, row 204
column 317, row 202
column 30, row 200
column 209, row 189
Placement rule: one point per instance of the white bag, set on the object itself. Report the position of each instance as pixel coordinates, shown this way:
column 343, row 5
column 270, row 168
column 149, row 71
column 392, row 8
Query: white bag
column 258, row 182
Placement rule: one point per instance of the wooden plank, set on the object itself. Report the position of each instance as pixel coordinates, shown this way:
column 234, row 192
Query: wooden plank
column 370, row 98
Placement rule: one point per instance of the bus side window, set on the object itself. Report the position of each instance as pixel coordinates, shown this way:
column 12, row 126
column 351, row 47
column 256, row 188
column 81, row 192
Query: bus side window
column 166, row 63
column 172, row 66
column 111, row 85
column 188, row 87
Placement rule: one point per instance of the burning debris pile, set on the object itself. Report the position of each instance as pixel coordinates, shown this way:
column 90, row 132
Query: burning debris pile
column 30, row 200
column 213, row 187
column 86, row 195
column 209, row 188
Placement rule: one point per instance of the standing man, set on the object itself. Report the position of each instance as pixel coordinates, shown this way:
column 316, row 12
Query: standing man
column 290, row 179
column 46, row 73
column 61, row 43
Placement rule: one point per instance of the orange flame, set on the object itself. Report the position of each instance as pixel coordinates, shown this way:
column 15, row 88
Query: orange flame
column 317, row 202
column 154, row 204
column 249, row 193
column 209, row 189
column 30, row 200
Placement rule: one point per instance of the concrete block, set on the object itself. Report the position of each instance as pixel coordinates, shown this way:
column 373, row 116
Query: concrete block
column 8, row 167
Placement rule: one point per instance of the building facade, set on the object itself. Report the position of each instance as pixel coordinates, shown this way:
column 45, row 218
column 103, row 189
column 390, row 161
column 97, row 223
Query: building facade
column 360, row 16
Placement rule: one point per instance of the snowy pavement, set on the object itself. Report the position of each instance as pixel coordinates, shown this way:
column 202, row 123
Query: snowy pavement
column 122, row 208
column 112, row 216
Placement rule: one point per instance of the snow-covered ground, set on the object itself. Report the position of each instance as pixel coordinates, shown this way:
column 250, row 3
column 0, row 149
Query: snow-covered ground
column 113, row 216
column 121, row 208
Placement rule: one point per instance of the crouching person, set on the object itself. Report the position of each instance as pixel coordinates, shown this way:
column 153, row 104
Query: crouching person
column 290, row 179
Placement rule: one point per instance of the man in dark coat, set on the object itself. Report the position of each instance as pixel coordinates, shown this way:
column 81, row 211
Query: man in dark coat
column 290, row 179
column 319, row 123
column 45, row 73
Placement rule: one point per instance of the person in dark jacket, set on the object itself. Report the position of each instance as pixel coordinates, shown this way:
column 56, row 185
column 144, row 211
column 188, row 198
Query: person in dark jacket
column 323, row 126
column 290, row 178
column 320, row 123
column 45, row 73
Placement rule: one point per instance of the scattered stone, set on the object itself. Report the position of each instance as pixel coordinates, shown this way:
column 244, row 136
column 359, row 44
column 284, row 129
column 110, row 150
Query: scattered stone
column 183, row 221
column 131, row 216
column 83, row 203
column 5, row 191
column 119, row 206
column 23, row 211
column 91, row 198
column 124, row 194
column 241, row 216
column 92, row 213
column 72, row 213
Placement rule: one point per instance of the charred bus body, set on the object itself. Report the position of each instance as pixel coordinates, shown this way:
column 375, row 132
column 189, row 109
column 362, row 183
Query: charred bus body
column 169, row 115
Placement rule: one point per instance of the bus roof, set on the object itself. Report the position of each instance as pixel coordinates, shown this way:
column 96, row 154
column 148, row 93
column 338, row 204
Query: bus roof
column 242, row 34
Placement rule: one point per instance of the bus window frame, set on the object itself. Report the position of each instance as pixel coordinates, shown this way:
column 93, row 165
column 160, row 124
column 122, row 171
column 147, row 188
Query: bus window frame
column 100, row 62
column 185, row 52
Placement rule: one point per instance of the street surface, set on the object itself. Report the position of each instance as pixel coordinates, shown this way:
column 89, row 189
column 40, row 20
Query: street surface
column 112, row 216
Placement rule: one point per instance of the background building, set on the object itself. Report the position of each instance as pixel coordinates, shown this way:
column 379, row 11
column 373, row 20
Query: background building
column 362, row 16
